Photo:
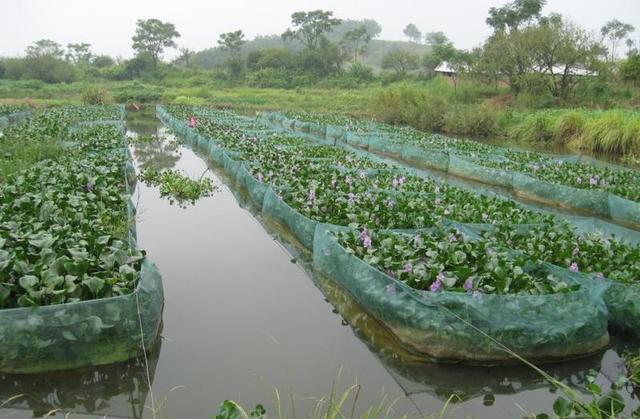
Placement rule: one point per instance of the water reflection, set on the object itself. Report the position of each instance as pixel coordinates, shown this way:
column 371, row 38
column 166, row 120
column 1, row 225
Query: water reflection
column 118, row 390
column 415, row 375
column 161, row 154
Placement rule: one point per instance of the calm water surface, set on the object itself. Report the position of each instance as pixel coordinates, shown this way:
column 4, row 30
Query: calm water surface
column 241, row 319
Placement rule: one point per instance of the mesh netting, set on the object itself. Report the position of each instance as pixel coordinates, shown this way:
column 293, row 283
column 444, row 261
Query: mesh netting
column 445, row 324
column 86, row 333
column 591, row 201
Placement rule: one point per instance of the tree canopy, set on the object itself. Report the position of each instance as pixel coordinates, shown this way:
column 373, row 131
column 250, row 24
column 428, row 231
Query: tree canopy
column 153, row 36
column 310, row 27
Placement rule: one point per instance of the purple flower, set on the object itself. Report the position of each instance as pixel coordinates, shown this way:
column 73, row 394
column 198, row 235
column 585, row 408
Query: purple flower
column 90, row 186
column 477, row 295
column 352, row 198
column 437, row 284
column 593, row 181
column 366, row 239
column 408, row 267
column 453, row 238
column 391, row 289
column 578, row 180
column 394, row 182
column 574, row 267
column 468, row 284
column 260, row 177
column 312, row 195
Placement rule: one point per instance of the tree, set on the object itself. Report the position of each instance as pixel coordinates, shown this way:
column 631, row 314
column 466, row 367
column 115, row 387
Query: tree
column 45, row 47
column 504, row 55
column 232, row 41
column 274, row 58
column 102, row 61
column 310, row 27
column 513, row 15
column 185, row 56
column 411, row 31
column 435, row 38
column 339, row 31
column 153, row 36
column 79, row 53
column 631, row 47
column 562, row 52
column 614, row 31
column 400, row 61
column 355, row 42
column 442, row 49
column 630, row 69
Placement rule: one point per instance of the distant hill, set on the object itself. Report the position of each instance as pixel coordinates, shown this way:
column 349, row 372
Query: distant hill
column 215, row 56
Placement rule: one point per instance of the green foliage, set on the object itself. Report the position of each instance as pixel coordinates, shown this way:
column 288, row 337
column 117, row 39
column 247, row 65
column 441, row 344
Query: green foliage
column 400, row 61
column 232, row 410
column 310, row 27
column 232, row 41
column 448, row 260
column 630, row 69
column 46, row 68
column 412, row 32
column 177, row 187
column 95, row 95
column 153, row 36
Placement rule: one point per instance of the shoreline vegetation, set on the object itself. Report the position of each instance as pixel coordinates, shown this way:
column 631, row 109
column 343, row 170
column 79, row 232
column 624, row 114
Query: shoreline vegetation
column 426, row 105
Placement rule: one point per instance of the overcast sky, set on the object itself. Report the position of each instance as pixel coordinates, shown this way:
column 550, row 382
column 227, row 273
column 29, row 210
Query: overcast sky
column 109, row 25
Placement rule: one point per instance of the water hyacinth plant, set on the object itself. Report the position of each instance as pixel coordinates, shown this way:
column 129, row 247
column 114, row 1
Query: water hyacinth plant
column 448, row 260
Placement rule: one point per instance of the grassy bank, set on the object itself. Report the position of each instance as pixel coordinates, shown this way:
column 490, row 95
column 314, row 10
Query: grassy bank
column 470, row 109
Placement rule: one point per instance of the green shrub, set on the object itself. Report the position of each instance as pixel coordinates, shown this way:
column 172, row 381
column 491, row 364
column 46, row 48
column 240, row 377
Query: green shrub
column 475, row 120
column 568, row 127
column 95, row 95
column 536, row 127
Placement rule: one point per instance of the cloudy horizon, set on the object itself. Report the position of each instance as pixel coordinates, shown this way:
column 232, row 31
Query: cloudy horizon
column 108, row 27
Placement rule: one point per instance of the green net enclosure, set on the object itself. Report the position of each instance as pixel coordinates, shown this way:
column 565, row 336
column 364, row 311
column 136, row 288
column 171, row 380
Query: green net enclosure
column 588, row 327
column 89, row 332
column 470, row 166
column 457, row 326
column 95, row 332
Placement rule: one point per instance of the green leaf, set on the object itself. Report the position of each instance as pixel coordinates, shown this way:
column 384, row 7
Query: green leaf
column 28, row 282
column 94, row 284
column 562, row 407
column 612, row 403
column 229, row 410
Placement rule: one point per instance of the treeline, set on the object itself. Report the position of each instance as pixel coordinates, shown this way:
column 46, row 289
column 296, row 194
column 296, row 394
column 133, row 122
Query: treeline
column 528, row 52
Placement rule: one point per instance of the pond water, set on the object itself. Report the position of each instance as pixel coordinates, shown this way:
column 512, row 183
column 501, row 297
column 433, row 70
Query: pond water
column 243, row 318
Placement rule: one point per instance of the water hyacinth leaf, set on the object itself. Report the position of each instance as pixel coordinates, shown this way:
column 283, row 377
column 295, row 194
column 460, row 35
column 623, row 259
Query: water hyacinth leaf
column 42, row 240
column 5, row 259
column 28, row 282
column 94, row 284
